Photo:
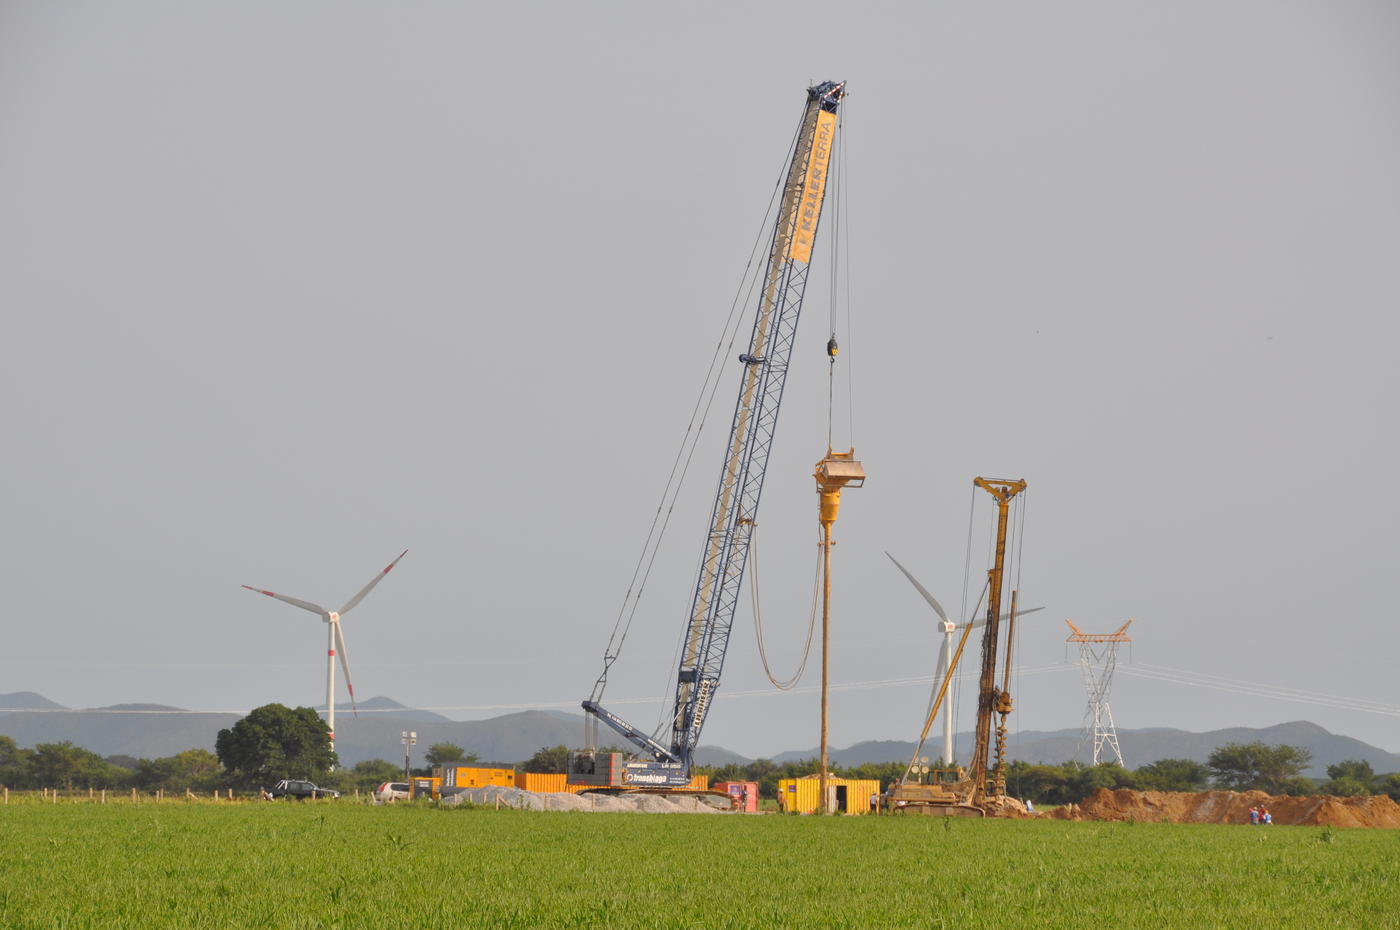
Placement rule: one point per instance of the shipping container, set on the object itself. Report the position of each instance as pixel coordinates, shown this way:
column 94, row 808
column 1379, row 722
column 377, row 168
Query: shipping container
column 745, row 794
column 547, row 783
column 542, row 782
column 845, row 795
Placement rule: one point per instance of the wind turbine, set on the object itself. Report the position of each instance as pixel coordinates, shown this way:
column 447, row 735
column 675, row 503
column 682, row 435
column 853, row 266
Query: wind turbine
column 335, row 639
column 946, row 656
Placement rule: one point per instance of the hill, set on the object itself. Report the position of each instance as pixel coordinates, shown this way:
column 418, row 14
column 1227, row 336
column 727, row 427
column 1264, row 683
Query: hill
column 388, row 709
column 146, row 731
column 1139, row 746
column 26, row 700
column 156, row 730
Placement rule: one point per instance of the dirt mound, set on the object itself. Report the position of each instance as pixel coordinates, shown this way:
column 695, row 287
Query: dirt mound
column 1232, row 807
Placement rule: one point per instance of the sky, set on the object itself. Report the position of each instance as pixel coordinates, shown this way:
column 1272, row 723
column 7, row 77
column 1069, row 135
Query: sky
column 290, row 288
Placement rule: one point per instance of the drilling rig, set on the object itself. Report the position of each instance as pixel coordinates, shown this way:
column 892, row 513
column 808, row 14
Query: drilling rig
column 764, row 368
column 977, row 789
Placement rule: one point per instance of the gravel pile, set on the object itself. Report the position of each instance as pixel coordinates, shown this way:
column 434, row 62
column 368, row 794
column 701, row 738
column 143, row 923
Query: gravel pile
column 534, row 801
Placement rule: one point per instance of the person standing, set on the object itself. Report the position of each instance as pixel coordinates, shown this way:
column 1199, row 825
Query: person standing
column 1254, row 816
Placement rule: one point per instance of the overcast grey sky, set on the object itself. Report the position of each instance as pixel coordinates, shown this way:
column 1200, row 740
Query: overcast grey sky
column 291, row 287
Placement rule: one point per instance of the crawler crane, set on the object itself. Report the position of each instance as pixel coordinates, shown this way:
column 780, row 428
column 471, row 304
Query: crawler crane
column 764, row 372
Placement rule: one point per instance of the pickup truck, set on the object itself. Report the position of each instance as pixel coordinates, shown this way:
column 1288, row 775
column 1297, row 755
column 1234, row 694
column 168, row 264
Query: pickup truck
column 299, row 789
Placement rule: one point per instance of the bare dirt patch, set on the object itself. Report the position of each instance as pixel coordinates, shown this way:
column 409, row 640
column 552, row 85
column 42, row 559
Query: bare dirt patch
column 1232, row 807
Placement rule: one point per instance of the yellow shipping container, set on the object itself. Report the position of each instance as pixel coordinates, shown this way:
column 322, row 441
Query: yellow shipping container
column 848, row 795
column 542, row 782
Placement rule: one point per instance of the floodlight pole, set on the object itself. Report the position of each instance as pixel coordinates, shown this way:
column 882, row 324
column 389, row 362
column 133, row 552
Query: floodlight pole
column 408, row 738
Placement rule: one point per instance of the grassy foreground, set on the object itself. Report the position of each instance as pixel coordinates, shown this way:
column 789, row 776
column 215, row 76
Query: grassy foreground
column 193, row 865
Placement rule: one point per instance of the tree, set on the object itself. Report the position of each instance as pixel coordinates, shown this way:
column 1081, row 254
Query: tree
column 1350, row 778
column 1172, row 775
column 1044, row 784
column 275, row 742
column 365, row 775
column 1257, row 766
column 883, row 772
column 548, row 759
column 16, row 765
column 69, row 766
column 193, row 769
column 448, row 754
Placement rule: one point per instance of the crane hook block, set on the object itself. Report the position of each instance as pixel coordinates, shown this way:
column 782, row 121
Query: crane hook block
column 831, row 347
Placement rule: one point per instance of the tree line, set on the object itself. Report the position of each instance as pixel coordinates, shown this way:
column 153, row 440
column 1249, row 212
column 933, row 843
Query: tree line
column 275, row 742
column 1232, row 767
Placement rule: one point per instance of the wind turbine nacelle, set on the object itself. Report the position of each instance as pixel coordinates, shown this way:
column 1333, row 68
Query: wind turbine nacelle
column 948, row 626
column 332, row 617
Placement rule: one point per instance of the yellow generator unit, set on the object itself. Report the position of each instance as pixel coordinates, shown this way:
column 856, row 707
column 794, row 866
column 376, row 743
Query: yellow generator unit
column 475, row 776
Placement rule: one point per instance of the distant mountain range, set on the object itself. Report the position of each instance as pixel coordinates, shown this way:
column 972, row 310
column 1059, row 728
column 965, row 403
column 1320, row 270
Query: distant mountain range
column 1139, row 747
column 154, row 731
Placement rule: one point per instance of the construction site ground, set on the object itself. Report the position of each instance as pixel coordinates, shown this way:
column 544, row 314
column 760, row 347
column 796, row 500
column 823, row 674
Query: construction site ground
column 1232, row 807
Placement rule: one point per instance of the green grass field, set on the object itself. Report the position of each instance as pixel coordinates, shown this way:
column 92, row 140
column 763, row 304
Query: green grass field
column 337, row 864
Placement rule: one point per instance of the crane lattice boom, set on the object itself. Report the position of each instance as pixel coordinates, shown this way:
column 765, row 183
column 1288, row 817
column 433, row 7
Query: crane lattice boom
column 765, row 368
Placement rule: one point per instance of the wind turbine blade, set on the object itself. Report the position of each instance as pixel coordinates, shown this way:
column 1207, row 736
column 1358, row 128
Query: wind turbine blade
column 345, row 666
column 295, row 602
column 937, row 678
column 370, row 587
column 937, row 607
column 979, row 623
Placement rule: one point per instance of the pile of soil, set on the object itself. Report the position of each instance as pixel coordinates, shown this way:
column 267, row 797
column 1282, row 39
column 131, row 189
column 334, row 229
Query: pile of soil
column 1232, row 807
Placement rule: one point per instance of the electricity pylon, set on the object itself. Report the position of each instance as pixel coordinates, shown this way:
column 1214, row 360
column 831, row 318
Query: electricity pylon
column 1098, row 654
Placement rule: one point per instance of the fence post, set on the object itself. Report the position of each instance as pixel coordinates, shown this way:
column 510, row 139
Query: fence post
column 230, row 794
column 104, row 795
column 133, row 795
column 7, row 795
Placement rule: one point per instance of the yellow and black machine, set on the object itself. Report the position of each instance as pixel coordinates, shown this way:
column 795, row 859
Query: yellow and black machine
column 978, row 789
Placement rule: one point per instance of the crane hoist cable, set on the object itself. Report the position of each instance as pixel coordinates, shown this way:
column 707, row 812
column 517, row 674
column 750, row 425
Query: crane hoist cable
column 789, row 683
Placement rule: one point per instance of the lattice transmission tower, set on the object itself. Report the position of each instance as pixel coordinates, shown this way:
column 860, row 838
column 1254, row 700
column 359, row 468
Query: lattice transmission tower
column 1098, row 654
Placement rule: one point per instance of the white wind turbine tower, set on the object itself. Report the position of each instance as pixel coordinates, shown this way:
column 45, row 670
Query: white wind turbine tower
column 335, row 639
column 946, row 656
